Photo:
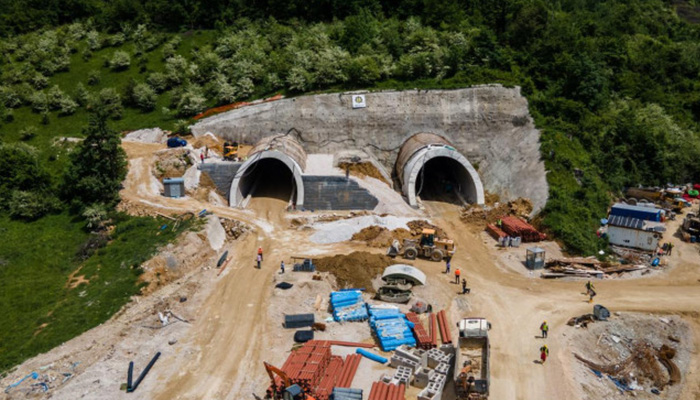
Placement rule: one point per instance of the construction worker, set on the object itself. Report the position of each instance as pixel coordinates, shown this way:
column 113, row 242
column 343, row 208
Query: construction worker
column 457, row 274
column 201, row 157
column 499, row 223
column 465, row 290
column 590, row 291
column 282, row 266
column 545, row 329
column 260, row 253
column 544, row 352
column 259, row 260
column 447, row 265
column 670, row 248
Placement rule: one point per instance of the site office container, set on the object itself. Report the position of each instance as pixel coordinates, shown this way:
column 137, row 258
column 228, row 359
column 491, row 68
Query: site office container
column 635, row 238
column 643, row 213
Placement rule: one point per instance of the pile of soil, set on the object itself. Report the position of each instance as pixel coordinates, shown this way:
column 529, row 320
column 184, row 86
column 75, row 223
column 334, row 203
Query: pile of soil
column 206, row 185
column 172, row 163
column 362, row 170
column 354, row 270
column 380, row 237
column 479, row 216
column 208, row 141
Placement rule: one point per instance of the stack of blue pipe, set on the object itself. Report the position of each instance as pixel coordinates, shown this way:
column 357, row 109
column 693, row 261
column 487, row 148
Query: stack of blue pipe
column 348, row 306
column 391, row 327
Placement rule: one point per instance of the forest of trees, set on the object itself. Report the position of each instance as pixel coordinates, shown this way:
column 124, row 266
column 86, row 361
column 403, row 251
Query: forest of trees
column 613, row 85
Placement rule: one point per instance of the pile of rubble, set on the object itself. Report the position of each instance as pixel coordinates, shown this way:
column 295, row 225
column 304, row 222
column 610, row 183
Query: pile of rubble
column 585, row 268
column 480, row 215
column 234, row 228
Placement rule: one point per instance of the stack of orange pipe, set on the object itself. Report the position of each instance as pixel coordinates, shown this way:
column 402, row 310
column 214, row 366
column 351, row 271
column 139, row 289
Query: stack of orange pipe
column 352, row 362
column 385, row 391
column 444, row 325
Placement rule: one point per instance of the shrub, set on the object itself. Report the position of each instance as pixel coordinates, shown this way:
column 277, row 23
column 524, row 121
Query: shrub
column 27, row 133
column 182, row 127
column 9, row 97
column 176, row 70
column 54, row 97
column 39, row 102
column 109, row 101
column 81, row 94
column 117, row 39
column 191, row 102
column 31, row 205
column 93, row 40
column 94, row 216
column 67, row 106
column 39, row 81
column 144, row 97
column 45, row 118
column 93, row 78
column 8, row 115
column 158, row 81
column 120, row 61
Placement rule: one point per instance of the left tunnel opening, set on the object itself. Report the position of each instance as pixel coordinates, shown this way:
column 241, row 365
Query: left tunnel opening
column 268, row 178
column 444, row 179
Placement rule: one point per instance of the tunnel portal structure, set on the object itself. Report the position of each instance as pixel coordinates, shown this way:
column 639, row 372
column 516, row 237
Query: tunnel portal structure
column 485, row 128
column 277, row 163
column 426, row 160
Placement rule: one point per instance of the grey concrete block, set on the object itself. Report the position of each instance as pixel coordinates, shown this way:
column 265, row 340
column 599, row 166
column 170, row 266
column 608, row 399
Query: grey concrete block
column 422, row 377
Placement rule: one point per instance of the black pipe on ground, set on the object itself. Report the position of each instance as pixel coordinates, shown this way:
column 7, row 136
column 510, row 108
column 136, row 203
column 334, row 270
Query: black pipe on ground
column 130, row 376
column 144, row 373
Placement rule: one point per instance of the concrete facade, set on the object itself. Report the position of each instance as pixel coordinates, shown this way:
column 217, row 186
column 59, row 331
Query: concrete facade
column 489, row 125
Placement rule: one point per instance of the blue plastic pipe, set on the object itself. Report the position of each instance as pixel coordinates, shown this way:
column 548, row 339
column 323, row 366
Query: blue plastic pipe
column 371, row 356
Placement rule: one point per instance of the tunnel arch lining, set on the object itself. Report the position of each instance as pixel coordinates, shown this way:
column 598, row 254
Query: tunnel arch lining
column 420, row 158
column 236, row 195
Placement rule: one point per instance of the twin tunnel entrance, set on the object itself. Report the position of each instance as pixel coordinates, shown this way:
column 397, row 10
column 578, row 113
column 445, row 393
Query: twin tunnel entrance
column 427, row 167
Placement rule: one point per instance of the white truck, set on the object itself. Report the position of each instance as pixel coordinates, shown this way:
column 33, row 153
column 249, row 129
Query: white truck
column 472, row 359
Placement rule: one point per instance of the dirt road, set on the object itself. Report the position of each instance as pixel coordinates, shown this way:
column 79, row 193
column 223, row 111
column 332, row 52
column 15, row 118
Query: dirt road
column 517, row 305
column 220, row 356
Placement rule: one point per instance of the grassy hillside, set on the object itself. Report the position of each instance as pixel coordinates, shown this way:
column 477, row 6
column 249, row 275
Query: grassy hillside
column 37, row 298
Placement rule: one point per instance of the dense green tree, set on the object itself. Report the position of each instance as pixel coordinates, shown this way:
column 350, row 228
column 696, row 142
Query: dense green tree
column 98, row 165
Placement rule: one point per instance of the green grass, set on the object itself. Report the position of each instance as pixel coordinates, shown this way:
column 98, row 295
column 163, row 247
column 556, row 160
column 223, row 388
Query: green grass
column 36, row 260
column 71, row 125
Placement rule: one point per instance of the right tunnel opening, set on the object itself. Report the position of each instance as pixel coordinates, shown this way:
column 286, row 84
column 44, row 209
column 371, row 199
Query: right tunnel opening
column 444, row 179
column 430, row 168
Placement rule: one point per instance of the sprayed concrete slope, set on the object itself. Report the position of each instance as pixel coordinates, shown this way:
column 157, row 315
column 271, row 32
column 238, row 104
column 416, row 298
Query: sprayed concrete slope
column 489, row 125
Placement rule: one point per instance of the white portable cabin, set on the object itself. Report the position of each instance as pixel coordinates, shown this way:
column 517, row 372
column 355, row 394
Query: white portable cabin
column 634, row 233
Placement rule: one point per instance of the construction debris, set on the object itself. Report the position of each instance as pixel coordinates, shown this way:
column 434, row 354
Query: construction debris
column 585, row 268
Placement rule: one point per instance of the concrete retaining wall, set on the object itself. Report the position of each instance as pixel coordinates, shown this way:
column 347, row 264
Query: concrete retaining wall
column 336, row 193
column 490, row 125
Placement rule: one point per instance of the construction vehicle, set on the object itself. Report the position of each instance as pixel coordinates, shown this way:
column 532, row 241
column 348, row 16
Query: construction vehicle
column 472, row 361
column 428, row 247
column 287, row 391
column 634, row 195
column 231, row 151
column 690, row 227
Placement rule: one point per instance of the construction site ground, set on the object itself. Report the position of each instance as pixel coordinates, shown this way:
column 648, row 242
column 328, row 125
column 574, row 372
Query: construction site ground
column 234, row 316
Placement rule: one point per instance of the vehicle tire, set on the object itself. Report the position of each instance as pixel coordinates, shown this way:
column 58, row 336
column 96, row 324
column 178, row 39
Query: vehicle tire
column 437, row 255
column 632, row 201
column 410, row 253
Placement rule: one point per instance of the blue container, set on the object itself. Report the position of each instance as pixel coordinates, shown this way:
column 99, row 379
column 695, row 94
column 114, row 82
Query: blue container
column 643, row 213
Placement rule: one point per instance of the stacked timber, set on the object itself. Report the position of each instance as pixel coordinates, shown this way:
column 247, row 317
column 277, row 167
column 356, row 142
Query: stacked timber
column 584, row 268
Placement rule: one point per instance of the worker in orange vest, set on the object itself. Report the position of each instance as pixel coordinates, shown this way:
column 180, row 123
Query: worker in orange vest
column 457, row 274
column 260, row 253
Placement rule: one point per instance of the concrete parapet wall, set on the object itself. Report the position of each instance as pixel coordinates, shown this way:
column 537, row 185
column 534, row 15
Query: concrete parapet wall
column 490, row 125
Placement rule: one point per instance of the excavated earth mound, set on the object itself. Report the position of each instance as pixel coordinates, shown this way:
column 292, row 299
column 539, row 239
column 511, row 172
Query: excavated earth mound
column 354, row 270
